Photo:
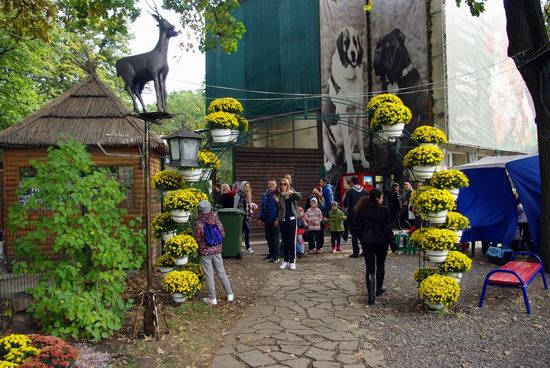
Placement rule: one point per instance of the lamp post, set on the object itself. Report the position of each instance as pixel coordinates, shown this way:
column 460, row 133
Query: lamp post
column 184, row 148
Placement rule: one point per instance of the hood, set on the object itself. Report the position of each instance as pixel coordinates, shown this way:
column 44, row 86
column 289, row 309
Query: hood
column 210, row 217
column 242, row 185
column 357, row 187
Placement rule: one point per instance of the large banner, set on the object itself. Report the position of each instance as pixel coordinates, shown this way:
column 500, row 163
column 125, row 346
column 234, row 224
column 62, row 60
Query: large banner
column 343, row 85
column 489, row 104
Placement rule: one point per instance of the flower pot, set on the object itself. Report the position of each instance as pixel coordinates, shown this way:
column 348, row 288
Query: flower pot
column 423, row 172
column 393, row 131
column 437, row 217
column 180, row 216
column 433, row 307
column 459, row 234
column 166, row 270
column 437, row 256
column 456, row 275
column 234, row 135
column 178, row 298
column 454, row 192
column 168, row 235
column 192, row 175
column 221, row 135
column 182, row 261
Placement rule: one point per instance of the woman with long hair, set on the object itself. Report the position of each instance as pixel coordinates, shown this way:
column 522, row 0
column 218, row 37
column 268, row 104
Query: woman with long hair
column 374, row 227
column 242, row 201
column 288, row 212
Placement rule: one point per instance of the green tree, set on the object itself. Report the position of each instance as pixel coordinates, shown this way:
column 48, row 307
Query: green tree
column 80, row 295
column 188, row 108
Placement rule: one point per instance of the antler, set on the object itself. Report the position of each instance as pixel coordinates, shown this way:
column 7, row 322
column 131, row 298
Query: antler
column 154, row 9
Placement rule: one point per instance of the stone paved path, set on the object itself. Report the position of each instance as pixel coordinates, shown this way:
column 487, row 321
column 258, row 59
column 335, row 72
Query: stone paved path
column 308, row 318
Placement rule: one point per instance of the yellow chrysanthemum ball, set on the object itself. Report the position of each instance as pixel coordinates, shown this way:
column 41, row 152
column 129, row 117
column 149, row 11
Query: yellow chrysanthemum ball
column 434, row 239
column 429, row 134
column 181, row 245
column 456, row 262
column 208, row 159
column 449, row 179
column 225, row 104
column 185, row 282
column 15, row 349
column 183, row 200
column 378, row 100
column 433, row 200
column 390, row 113
column 439, row 289
column 168, row 180
column 456, row 221
column 221, row 120
column 423, row 156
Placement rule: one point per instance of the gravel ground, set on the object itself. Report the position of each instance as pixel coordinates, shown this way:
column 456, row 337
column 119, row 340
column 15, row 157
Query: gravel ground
column 500, row 334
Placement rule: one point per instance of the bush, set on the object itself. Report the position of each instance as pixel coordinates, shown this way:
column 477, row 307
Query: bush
column 428, row 134
column 423, row 156
column 449, row 179
column 168, row 180
column 439, row 289
column 81, row 294
column 16, row 348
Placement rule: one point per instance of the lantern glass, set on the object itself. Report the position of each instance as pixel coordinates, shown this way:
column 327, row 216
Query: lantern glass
column 174, row 149
column 189, row 149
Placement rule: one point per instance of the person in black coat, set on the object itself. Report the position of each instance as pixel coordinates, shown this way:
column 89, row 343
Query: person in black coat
column 351, row 199
column 374, row 227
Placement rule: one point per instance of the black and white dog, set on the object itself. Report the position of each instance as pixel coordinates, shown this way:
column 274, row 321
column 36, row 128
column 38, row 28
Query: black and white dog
column 343, row 135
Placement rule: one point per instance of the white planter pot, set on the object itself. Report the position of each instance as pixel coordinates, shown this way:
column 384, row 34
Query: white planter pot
column 423, row 172
column 192, row 175
column 437, row 217
column 178, row 298
column 234, row 135
column 180, row 216
column 393, row 131
column 437, row 256
column 455, row 192
column 166, row 270
column 456, row 275
column 182, row 261
column 433, row 307
column 221, row 135
column 169, row 235
column 459, row 234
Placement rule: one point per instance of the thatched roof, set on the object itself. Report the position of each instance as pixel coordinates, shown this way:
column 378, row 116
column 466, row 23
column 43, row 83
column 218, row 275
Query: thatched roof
column 89, row 113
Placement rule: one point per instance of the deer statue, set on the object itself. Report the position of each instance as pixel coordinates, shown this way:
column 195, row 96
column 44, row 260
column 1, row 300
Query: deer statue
column 137, row 70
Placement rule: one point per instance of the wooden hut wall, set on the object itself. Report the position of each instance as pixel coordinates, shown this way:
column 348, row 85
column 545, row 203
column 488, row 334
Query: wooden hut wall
column 14, row 159
column 256, row 165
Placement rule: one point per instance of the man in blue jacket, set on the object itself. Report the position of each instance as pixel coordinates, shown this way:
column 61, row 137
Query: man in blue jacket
column 328, row 195
column 268, row 215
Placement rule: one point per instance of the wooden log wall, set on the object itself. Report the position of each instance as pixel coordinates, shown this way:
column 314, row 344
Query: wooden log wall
column 14, row 159
column 256, row 165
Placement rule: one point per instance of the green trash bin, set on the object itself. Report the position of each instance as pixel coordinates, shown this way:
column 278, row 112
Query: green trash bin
column 232, row 221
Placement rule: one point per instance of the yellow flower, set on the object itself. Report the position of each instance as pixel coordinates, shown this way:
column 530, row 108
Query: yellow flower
column 225, row 104
column 185, row 282
column 456, row 262
column 433, row 200
column 390, row 113
column 456, row 221
column 378, row 100
column 208, row 159
column 183, row 200
column 243, row 123
column 168, row 180
column 421, row 274
column 423, row 156
column 449, row 179
column 15, row 349
column 181, row 245
column 428, row 134
column 165, row 260
column 439, row 289
column 163, row 223
column 221, row 120
column 434, row 239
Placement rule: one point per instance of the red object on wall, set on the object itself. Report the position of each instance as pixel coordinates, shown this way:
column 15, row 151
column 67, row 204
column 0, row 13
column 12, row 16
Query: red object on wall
column 366, row 180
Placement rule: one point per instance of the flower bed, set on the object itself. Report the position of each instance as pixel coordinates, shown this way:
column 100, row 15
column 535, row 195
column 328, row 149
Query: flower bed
column 428, row 134
column 449, row 179
column 36, row 351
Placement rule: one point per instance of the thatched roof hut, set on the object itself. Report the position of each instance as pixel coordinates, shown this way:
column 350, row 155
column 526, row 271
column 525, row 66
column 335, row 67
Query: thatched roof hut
column 89, row 113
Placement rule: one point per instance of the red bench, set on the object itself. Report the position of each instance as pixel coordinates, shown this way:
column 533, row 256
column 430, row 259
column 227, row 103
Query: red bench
column 517, row 274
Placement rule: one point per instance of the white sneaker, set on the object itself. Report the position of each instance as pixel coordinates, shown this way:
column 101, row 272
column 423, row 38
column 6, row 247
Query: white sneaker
column 210, row 301
column 293, row 266
column 250, row 251
column 283, row 265
column 230, row 297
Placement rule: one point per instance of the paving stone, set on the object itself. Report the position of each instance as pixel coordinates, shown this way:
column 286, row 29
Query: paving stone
column 242, row 348
column 311, row 323
column 281, row 357
column 226, row 350
column 294, row 349
column 320, row 354
column 325, row 364
column 266, row 325
column 285, row 336
column 298, row 363
column 349, row 345
column 226, row 361
column 355, row 365
column 256, row 358
column 373, row 358
column 339, row 325
column 318, row 313
column 328, row 345
column 348, row 357
column 338, row 336
column 267, row 348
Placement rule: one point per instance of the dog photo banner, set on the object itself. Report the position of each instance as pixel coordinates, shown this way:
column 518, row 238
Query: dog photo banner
column 489, row 103
column 343, row 85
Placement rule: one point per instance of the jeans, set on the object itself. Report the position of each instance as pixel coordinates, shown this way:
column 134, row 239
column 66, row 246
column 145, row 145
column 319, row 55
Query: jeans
column 288, row 235
column 246, row 232
column 272, row 238
column 210, row 264
column 314, row 240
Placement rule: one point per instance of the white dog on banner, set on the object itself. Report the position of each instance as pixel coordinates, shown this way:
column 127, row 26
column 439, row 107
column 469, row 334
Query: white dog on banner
column 346, row 88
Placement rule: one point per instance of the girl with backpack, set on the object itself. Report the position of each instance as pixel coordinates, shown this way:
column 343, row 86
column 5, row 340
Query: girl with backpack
column 209, row 233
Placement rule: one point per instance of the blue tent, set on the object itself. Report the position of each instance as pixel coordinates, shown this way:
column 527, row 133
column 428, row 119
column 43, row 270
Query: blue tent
column 489, row 201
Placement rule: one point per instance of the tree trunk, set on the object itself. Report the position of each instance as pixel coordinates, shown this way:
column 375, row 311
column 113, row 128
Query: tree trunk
column 527, row 32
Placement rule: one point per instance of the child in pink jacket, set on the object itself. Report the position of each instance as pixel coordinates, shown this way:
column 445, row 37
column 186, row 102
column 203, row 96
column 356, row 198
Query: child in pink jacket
column 314, row 217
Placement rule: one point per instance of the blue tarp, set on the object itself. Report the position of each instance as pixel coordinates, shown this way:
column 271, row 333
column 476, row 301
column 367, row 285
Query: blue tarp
column 490, row 206
column 525, row 174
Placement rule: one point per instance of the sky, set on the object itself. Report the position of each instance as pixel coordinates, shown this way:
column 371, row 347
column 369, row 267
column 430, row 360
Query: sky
column 187, row 69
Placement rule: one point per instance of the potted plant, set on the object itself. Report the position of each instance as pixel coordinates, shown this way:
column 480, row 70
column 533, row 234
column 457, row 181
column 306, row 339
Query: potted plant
column 376, row 101
column 433, row 205
column 208, row 161
column 451, row 179
column 181, row 202
column 225, row 104
column 391, row 117
column 163, row 226
column 435, row 242
column 426, row 135
column 165, row 263
column 181, row 284
column 439, row 291
column 167, row 180
column 423, row 160
column 179, row 247
column 201, row 196
column 421, row 274
column 220, row 124
column 456, row 222
column 456, row 264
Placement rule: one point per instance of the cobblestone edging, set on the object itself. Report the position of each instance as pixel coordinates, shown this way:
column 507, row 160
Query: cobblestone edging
column 308, row 318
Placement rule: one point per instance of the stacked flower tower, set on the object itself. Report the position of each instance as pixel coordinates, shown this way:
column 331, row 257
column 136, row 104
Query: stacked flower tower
column 388, row 115
column 435, row 201
column 224, row 120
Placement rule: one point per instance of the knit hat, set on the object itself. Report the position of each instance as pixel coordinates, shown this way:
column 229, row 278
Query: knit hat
column 313, row 200
column 334, row 203
column 242, row 184
column 204, row 207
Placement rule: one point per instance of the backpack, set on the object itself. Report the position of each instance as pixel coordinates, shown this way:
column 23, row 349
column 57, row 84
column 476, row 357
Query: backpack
column 212, row 234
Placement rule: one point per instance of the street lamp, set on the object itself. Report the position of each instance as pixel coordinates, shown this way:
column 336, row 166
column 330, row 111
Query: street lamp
column 184, row 148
